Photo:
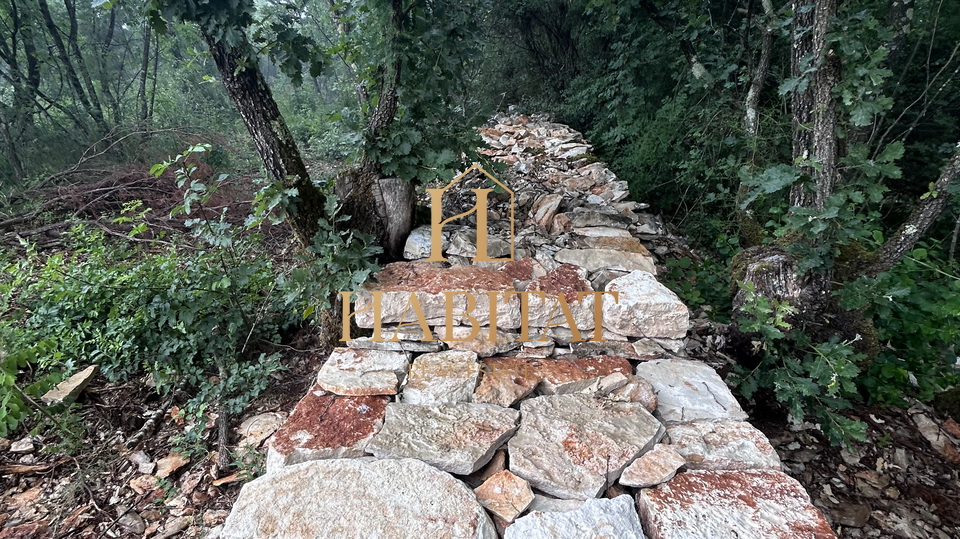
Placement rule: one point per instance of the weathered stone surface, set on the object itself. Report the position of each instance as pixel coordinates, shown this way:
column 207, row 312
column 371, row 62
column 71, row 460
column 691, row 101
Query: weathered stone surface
column 457, row 438
column 442, row 378
column 545, row 208
column 326, row 426
column 601, row 385
column 548, row 504
column 357, row 371
column 594, row 519
column 68, row 390
column 573, row 446
column 656, row 466
column 506, row 380
column 555, row 373
column 637, row 390
column 618, row 243
column 255, row 429
column 397, row 346
column 480, row 344
column 584, row 219
column 731, row 504
column 644, row 308
column 601, row 232
column 595, row 259
column 357, row 499
column 418, row 243
column 735, row 445
column 464, row 243
column 505, row 495
column 690, row 391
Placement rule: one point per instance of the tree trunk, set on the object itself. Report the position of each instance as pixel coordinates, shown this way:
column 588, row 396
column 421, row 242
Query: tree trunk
column 802, row 101
column 144, row 73
column 277, row 148
column 825, row 106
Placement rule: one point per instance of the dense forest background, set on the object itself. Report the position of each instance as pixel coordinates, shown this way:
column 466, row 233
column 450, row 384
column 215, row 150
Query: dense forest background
column 807, row 150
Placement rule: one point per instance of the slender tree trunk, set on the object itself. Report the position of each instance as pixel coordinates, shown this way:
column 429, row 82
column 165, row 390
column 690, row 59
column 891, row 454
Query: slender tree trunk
column 751, row 105
column 802, row 100
column 144, row 73
column 12, row 154
column 825, row 106
column 933, row 203
column 277, row 148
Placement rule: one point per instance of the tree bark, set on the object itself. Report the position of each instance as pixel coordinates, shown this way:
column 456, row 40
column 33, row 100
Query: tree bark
column 919, row 221
column 802, row 101
column 825, row 106
column 277, row 148
column 751, row 105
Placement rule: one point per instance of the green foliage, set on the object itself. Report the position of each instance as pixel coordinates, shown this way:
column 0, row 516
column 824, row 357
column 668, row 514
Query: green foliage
column 704, row 282
column 14, row 400
column 817, row 380
column 916, row 312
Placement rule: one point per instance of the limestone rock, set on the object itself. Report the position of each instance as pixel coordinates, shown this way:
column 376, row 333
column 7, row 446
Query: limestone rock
column 731, row 504
column 596, row 259
column 506, row 380
column 356, row 371
column 480, row 344
column 68, row 390
column 656, row 466
column 442, row 378
column 255, row 429
column 573, row 446
column 594, row 519
column 357, row 499
column 618, row 243
column 547, row 504
column 545, row 208
column 557, row 373
column 505, row 495
column 583, row 219
column 418, row 243
column 326, row 426
column 457, row 438
column 637, row 390
column 690, row 391
column 644, row 308
column 733, row 445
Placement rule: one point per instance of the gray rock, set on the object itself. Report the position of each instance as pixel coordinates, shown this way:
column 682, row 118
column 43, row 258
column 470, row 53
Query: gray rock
column 357, row 371
column 735, row 445
column 644, row 308
column 357, row 499
column 596, row 259
column 418, row 243
column 585, row 219
column 594, row 519
column 442, row 378
column 480, row 344
column 457, row 438
column 547, row 504
column 729, row 505
column 689, row 391
column 574, row 446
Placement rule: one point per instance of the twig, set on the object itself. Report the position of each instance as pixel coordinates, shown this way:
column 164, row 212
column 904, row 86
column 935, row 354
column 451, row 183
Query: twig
column 150, row 423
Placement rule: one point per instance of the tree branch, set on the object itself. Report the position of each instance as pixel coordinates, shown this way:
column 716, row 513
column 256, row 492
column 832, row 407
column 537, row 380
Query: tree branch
column 931, row 205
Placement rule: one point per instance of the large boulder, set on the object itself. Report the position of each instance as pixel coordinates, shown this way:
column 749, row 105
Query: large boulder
column 357, row 499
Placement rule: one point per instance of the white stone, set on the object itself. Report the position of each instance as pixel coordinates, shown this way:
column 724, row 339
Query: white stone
column 357, row 499
column 457, row 438
column 594, row 519
column 656, row 466
column 575, row 446
column 731, row 505
column 547, row 504
column 355, row 371
column 418, row 243
column 596, row 259
column 644, row 308
column 689, row 391
column 442, row 378
column 735, row 445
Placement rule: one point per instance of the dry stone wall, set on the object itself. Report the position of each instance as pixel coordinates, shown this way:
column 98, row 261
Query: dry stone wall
column 533, row 429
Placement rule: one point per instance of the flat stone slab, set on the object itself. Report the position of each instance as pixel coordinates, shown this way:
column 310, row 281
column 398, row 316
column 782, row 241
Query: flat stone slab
column 326, row 426
column 505, row 495
column 68, row 390
column 509, row 379
column 735, row 445
column 358, row 371
column 594, row 519
column 357, row 499
column 458, row 438
column 575, row 446
column 644, row 308
column 731, row 504
column 595, row 259
column 690, row 391
column 656, row 466
column 442, row 378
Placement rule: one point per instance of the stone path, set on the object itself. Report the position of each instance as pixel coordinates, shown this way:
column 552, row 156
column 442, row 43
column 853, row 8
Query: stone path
column 538, row 432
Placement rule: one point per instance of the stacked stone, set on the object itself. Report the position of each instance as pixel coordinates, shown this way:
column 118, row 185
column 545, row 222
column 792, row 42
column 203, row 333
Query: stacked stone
column 525, row 436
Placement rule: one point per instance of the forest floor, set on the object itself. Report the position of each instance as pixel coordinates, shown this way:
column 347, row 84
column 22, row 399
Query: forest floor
column 894, row 485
